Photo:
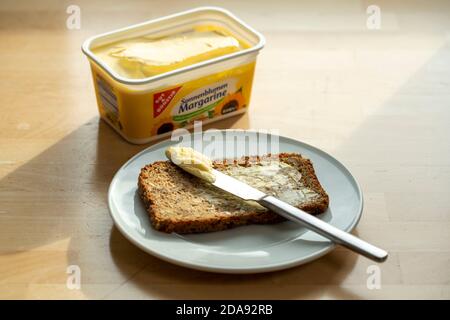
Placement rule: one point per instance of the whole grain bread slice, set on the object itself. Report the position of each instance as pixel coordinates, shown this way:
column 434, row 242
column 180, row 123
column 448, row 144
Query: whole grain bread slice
column 178, row 202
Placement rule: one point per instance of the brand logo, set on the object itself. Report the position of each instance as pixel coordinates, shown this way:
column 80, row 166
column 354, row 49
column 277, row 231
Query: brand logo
column 202, row 100
column 162, row 99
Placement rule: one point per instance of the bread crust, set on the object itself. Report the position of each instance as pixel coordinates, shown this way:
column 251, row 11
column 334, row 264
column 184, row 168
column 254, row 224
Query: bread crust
column 198, row 218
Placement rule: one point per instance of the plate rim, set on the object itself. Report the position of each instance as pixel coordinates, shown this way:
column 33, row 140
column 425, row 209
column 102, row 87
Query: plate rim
column 236, row 270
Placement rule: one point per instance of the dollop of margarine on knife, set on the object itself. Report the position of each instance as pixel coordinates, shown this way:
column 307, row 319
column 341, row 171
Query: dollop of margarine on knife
column 192, row 161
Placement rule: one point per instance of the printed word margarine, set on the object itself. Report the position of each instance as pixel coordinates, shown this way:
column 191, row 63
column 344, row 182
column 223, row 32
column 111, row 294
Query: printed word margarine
column 192, row 161
column 207, row 96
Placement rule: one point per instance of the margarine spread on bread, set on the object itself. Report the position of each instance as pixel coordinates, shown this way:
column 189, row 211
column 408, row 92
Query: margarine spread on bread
column 192, row 161
column 165, row 74
column 275, row 178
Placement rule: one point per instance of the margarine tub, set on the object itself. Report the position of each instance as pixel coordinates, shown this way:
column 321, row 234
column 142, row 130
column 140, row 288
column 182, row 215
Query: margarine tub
column 157, row 76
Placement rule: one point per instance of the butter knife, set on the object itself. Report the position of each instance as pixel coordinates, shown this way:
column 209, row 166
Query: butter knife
column 246, row 192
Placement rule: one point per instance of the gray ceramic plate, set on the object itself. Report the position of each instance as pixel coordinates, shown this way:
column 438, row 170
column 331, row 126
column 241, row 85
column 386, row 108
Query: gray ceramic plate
column 248, row 249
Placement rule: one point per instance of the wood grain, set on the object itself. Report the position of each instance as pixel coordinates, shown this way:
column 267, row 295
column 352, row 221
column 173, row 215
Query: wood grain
column 379, row 100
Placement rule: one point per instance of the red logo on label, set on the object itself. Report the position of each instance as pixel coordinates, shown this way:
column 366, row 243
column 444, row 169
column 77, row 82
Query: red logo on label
column 162, row 99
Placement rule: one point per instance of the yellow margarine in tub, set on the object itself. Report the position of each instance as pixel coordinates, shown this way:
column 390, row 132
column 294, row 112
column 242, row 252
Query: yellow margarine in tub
column 147, row 56
column 167, row 73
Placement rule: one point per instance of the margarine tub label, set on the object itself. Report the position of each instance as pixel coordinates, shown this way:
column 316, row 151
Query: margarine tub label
column 162, row 111
column 149, row 83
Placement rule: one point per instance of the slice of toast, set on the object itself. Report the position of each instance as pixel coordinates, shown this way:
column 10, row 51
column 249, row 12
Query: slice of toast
column 180, row 202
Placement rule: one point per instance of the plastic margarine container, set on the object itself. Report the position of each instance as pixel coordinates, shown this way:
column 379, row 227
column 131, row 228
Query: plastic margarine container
column 164, row 74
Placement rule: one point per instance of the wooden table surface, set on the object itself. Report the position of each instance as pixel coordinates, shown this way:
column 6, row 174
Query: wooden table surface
column 379, row 100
